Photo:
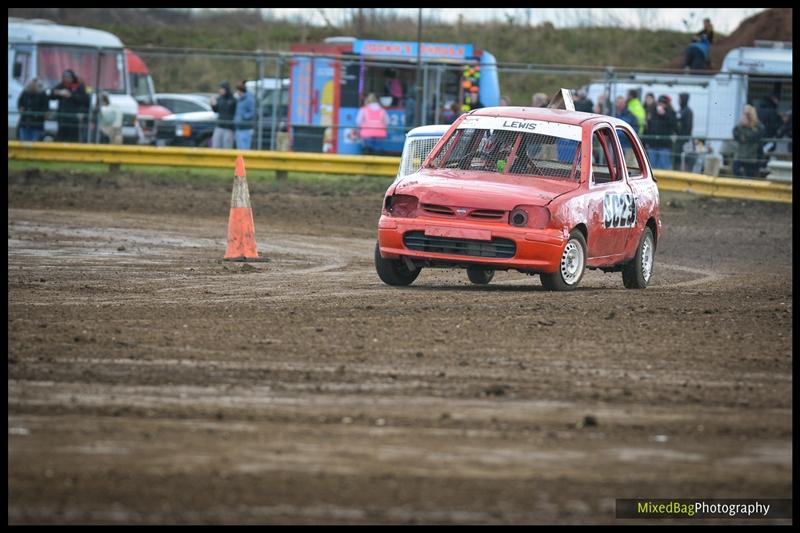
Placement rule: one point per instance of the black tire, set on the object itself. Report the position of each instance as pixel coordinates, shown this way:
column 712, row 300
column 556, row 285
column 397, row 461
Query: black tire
column 480, row 275
column 567, row 267
column 394, row 271
column 637, row 274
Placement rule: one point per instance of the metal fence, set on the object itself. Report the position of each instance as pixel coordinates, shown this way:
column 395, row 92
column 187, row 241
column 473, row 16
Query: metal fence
column 427, row 99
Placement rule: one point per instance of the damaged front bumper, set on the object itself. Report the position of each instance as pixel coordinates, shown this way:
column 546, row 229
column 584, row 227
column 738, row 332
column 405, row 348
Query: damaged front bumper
column 465, row 243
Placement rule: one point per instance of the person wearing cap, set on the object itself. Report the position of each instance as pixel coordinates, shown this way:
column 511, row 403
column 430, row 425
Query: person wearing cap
column 243, row 118
column 225, row 106
column 73, row 106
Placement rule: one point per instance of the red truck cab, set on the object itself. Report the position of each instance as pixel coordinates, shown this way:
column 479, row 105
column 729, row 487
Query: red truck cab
column 143, row 91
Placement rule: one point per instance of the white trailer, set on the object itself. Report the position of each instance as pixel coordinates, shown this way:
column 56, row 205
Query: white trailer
column 42, row 49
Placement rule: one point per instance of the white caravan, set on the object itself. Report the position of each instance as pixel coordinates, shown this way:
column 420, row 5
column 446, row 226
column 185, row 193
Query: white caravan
column 42, row 49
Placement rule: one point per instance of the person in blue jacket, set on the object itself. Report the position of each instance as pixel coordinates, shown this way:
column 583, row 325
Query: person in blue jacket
column 243, row 118
column 698, row 54
column 622, row 112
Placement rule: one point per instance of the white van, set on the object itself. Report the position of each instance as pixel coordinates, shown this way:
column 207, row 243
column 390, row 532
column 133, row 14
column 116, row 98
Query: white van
column 42, row 49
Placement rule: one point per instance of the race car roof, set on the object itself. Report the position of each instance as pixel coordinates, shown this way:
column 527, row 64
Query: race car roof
column 562, row 116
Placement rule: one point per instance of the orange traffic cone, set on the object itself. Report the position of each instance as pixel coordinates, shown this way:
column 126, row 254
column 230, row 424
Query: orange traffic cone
column 241, row 230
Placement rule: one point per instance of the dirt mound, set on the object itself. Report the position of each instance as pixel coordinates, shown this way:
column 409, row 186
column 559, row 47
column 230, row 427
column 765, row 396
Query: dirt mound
column 770, row 25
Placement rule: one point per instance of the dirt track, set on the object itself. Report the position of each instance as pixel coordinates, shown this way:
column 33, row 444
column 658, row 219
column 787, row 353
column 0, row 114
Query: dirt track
column 151, row 382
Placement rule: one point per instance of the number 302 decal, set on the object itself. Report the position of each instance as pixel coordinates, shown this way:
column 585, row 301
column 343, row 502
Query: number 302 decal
column 619, row 210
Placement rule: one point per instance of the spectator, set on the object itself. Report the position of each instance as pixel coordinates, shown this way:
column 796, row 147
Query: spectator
column 110, row 121
column 707, row 31
column 747, row 134
column 768, row 114
column 649, row 109
column 634, row 105
column 582, row 102
column 73, row 106
column 621, row 111
column 663, row 125
column 785, row 129
column 243, row 117
column 411, row 107
column 685, row 117
column 685, row 124
column 698, row 54
column 539, row 100
column 372, row 122
column 505, row 101
column 225, row 106
column 393, row 87
column 33, row 106
column 784, row 134
column 600, row 106
column 451, row 113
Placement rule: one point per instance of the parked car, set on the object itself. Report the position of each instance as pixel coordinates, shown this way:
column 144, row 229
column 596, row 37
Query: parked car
column 541, row 191
column 193, row 120
column 191, row 123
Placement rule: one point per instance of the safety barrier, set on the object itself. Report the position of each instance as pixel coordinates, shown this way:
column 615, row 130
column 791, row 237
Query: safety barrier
column 203, row 157
column 745, row 189
column 344, row 164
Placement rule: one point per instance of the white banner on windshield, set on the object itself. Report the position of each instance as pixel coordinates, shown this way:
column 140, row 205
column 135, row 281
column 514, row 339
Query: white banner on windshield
column 554, row 129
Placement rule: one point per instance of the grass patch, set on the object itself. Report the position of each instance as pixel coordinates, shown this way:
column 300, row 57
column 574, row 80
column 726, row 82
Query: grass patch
column 321, row 183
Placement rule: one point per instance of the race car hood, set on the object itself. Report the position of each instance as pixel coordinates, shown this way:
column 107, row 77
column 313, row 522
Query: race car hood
column 483, row 190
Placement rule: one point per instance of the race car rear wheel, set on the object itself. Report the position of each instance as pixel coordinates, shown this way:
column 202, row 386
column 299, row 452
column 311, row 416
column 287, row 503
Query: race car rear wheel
column 394, row 271
column 637, row 273
column 571, row 268
column 479, row 275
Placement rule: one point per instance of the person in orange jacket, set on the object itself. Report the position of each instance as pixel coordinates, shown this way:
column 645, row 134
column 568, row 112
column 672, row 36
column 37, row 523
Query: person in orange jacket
column 372, row 121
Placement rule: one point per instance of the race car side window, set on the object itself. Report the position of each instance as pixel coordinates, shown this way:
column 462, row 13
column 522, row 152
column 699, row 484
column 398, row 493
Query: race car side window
column 605, row 161
column 631, row 155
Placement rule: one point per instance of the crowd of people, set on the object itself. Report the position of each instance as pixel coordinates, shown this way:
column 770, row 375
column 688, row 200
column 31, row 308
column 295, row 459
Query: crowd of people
column 666, row 131
column 235, row 113
column 73, row 108
column 72, row 111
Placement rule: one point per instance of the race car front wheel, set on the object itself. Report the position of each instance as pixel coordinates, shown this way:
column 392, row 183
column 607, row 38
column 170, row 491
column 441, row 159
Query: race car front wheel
column 394, row 271
column 636, row 274
column 571, row 267
column 480, row 276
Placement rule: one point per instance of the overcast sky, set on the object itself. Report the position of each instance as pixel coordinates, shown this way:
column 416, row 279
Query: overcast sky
column 724, row 20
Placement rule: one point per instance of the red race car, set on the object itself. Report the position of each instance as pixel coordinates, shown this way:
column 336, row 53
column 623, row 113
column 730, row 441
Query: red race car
column 542, row 191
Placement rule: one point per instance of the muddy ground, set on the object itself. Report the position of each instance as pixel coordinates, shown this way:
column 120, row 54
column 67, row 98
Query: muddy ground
column 151, row 382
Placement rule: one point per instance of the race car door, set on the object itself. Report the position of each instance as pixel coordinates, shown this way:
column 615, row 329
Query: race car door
column 645, row 194
column 612, row 208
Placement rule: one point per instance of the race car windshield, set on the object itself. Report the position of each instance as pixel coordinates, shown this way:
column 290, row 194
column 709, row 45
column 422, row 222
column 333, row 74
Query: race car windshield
column 506, row 151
